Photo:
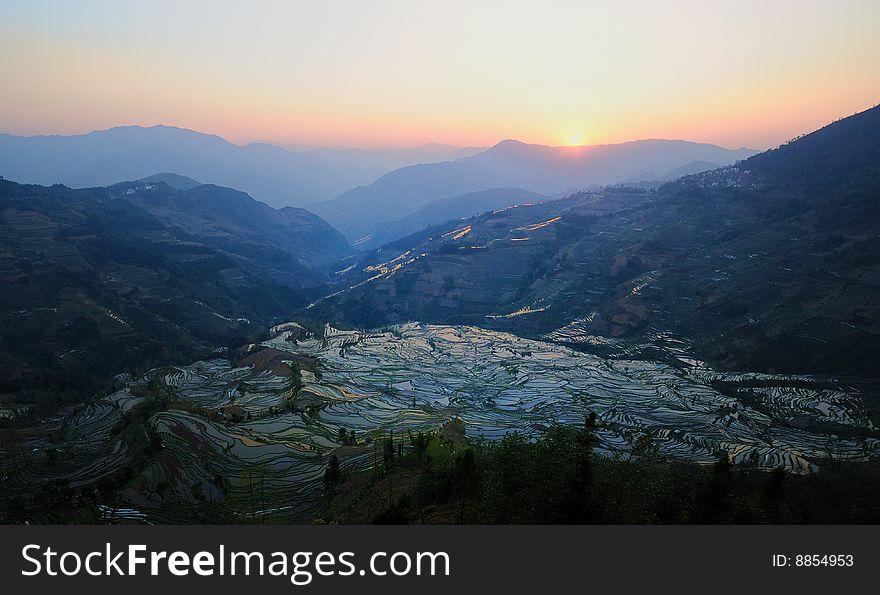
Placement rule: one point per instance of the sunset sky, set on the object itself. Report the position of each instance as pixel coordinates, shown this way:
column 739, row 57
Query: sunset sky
column 389, row 73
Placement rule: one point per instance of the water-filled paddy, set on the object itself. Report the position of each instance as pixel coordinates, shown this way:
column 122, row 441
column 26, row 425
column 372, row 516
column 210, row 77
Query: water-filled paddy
column 417, row 376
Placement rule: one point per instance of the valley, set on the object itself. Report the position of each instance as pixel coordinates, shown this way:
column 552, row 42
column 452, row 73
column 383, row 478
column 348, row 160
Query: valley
column 767, row 265
column 724, row 324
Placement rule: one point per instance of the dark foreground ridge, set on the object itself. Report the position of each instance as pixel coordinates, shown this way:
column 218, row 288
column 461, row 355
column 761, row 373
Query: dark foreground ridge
column 559, row 478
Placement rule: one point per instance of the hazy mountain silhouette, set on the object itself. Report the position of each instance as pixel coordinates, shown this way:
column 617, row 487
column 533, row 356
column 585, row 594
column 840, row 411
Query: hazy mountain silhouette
column 382, row 161
column 269, row 173
column 511, row 164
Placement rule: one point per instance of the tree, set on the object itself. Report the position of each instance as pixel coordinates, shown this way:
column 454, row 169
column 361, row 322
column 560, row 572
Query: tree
column 466, row 479
column 591, row 421
column 388, row 452
column 419, row 442
column 332, row 475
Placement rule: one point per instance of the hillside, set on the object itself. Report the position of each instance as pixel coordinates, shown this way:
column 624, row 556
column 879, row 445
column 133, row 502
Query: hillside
column 291, row 246
column 769, row 265
column 101, row 280
column 447, row 209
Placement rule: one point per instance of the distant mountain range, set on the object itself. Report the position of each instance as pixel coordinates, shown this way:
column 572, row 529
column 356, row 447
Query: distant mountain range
column 280, row 175
column 105, row 279
column 511, row 164
column 772, row 264
column 361, row 192
column 269, row 173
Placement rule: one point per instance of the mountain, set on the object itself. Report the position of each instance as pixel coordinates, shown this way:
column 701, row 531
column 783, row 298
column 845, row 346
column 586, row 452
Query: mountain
column 106, row 279
column 101, row 158
column 290, row 246
column 772, row 264
column 446, row 209
column 510, row 164
column 382, row 161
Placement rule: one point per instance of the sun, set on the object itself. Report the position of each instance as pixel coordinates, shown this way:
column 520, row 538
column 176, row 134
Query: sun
column 574, row 141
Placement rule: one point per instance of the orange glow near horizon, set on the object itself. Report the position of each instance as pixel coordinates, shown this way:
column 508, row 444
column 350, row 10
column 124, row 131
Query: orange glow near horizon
column 397, row 74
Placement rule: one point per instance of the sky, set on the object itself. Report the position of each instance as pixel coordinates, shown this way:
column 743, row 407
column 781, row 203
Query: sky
column 470, row 73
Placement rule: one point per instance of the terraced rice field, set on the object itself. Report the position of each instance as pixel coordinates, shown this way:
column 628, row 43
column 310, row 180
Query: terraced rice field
column 232, row 437
column 417, row 376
